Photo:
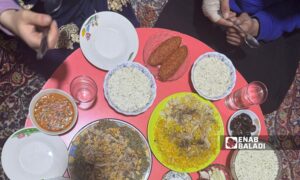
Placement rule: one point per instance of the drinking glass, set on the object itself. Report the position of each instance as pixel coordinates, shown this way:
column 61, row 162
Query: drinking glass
column 254, row 93
column 84, row 91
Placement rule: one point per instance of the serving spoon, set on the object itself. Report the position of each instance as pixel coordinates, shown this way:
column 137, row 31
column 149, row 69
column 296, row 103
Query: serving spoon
column 50, row 7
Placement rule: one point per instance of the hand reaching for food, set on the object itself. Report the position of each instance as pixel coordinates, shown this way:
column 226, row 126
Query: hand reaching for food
column 24, row 24
column 250, row 25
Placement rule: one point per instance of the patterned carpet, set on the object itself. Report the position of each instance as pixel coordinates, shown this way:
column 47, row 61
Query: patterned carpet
column 284, row 129
column 18, row 84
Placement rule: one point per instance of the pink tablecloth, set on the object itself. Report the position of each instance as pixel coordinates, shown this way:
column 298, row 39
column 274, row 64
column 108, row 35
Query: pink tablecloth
column 76, row 64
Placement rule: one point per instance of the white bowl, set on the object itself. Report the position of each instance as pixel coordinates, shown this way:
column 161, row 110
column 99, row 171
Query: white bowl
column 142, row 69
column 43, row 93
column 254, row 118
column 232, row 72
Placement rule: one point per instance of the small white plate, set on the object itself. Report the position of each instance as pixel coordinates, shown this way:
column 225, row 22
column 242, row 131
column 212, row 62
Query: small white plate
column 107, row 39
column 29, row 154
column 232, row 72
column 254, row 118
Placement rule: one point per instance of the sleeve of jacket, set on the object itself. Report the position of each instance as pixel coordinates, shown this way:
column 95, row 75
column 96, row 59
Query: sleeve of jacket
column 277, row 19
column 5, row 5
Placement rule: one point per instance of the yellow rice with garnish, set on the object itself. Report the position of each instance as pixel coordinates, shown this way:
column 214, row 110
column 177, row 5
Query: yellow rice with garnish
column 187, row 133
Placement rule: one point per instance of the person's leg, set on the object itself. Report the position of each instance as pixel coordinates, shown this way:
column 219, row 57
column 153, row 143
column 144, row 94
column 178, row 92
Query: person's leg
column 273, row 63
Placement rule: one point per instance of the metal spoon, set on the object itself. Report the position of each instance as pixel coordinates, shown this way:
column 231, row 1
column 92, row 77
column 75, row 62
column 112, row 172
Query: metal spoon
column 50, row 6
column 251, row 41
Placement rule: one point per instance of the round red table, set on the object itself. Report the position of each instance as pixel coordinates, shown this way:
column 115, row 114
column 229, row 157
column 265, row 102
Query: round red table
column 76, row 64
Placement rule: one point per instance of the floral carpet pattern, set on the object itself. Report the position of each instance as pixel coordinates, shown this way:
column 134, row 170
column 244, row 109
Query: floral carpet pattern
column 284, row 127
column 18, row 84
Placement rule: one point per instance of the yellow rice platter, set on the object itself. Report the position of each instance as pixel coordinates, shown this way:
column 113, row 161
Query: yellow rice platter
column 185, row 131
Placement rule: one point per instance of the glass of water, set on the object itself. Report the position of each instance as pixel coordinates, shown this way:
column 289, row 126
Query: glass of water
column 84, row 90
column 255, row 93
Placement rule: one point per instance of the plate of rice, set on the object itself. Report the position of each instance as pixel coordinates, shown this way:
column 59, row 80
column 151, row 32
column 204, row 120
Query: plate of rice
column 130, row 88
column 264, row 164
column 213, row 76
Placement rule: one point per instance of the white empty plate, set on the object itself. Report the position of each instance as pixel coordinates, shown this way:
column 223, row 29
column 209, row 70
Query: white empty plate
column 29, row 154
column 108, row 39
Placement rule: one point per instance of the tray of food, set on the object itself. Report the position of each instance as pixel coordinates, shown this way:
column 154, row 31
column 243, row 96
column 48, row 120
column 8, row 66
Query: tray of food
column 184, row 132
column 109, row 149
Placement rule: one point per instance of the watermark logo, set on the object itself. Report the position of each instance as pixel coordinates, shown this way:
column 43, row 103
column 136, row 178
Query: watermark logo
column 244, row 143
column 231, row 142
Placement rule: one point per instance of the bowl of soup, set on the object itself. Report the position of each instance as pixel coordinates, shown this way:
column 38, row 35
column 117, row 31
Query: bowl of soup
column 53, row 111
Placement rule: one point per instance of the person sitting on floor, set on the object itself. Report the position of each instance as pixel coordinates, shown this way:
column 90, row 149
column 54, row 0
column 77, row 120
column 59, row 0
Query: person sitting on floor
column 265, row 20
column 274, row 62
column 24, row 23
column 64, row 22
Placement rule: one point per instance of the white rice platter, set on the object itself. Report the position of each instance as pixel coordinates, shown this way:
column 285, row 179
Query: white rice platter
column 213, row 76
column 256, row 164
column 130, row 88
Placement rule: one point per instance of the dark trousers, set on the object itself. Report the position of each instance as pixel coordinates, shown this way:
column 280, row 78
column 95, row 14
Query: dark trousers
column 274, row 63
